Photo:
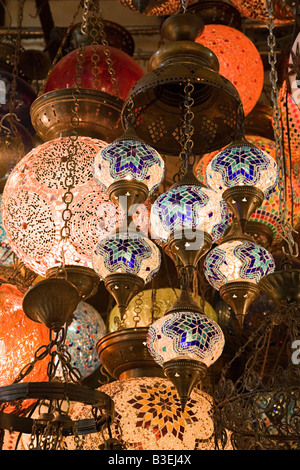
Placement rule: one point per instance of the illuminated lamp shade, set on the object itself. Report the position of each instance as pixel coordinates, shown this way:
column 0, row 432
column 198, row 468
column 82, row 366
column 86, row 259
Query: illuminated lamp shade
column 126, row 253
column 19, row 339
column 245, row 176
column 126, row 261
column 239, row 61
column 32, row 207
column 268, row 213
column 234, row 268
column 84, row 331
column 164, row 299
column 126, row 70
column 256, row 11
column 185, row 343
column 189, row 207
column 189, row 217
column 148, row 417
column 23, row 98
column 129, row 166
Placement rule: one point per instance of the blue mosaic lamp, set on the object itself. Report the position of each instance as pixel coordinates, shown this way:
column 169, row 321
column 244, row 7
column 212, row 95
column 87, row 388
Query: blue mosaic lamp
column 126, row 261
column 234, row 268
column 189, row 217
column 130, row 168
column 185, row 343
column 245, row 175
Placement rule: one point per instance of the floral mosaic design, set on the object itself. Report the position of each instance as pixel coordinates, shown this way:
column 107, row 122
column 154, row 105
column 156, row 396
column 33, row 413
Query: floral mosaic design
column 149, row 417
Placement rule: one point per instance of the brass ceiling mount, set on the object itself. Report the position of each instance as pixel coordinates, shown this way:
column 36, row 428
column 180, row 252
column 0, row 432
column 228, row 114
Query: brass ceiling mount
column 157, row 99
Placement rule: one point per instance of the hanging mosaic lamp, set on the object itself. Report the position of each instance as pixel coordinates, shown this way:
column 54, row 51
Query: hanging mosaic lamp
column 153, row 7
column 129, row 168
column 245, row 175
column 100, row 99
column 32, row 208
column 185, row 343
column 190, row 218
column 235, row 268
column 264, row 224
column 84, row 331
column 19, row 339
column 148, row 417
column 256, row 10
column 158, row 97
column 239, row 60
column 125, row 261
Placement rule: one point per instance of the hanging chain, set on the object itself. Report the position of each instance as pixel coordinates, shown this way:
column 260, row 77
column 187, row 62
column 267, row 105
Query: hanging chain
column 70, row 160
column 106, row 49
column 287, row 229
column 138, row 308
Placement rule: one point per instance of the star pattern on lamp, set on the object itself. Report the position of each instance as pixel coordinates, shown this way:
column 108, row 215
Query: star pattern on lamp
column 255, row 261
column 193, row 334
column 124, row 253
column 242, row 165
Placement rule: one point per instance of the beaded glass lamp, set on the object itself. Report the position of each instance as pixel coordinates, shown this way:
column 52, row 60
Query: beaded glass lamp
column 32, row 207
column 245, row 175
column 234, row 268
column 239, row 60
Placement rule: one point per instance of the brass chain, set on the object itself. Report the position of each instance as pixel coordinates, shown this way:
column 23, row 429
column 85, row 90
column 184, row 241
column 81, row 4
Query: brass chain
column 107, row 53
column 287, row 228
column 138, row 308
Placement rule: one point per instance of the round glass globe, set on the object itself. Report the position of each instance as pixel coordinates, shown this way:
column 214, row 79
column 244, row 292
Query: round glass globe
column 129, row 160
column 242, row 165
column 84, row 331
column 148, row 417
column 189, row 207
column 127, row 253
column 187, row 335
column 236, row 261
column 32, row 206
column 239, row 60
column 164, row 299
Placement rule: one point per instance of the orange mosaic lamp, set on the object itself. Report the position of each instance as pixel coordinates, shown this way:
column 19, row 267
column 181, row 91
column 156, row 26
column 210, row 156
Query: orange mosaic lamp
column 239, row 61
column 19, row 340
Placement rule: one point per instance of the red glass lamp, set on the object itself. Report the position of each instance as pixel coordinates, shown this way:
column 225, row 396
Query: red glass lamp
column 126, row 70
column 239, row 60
